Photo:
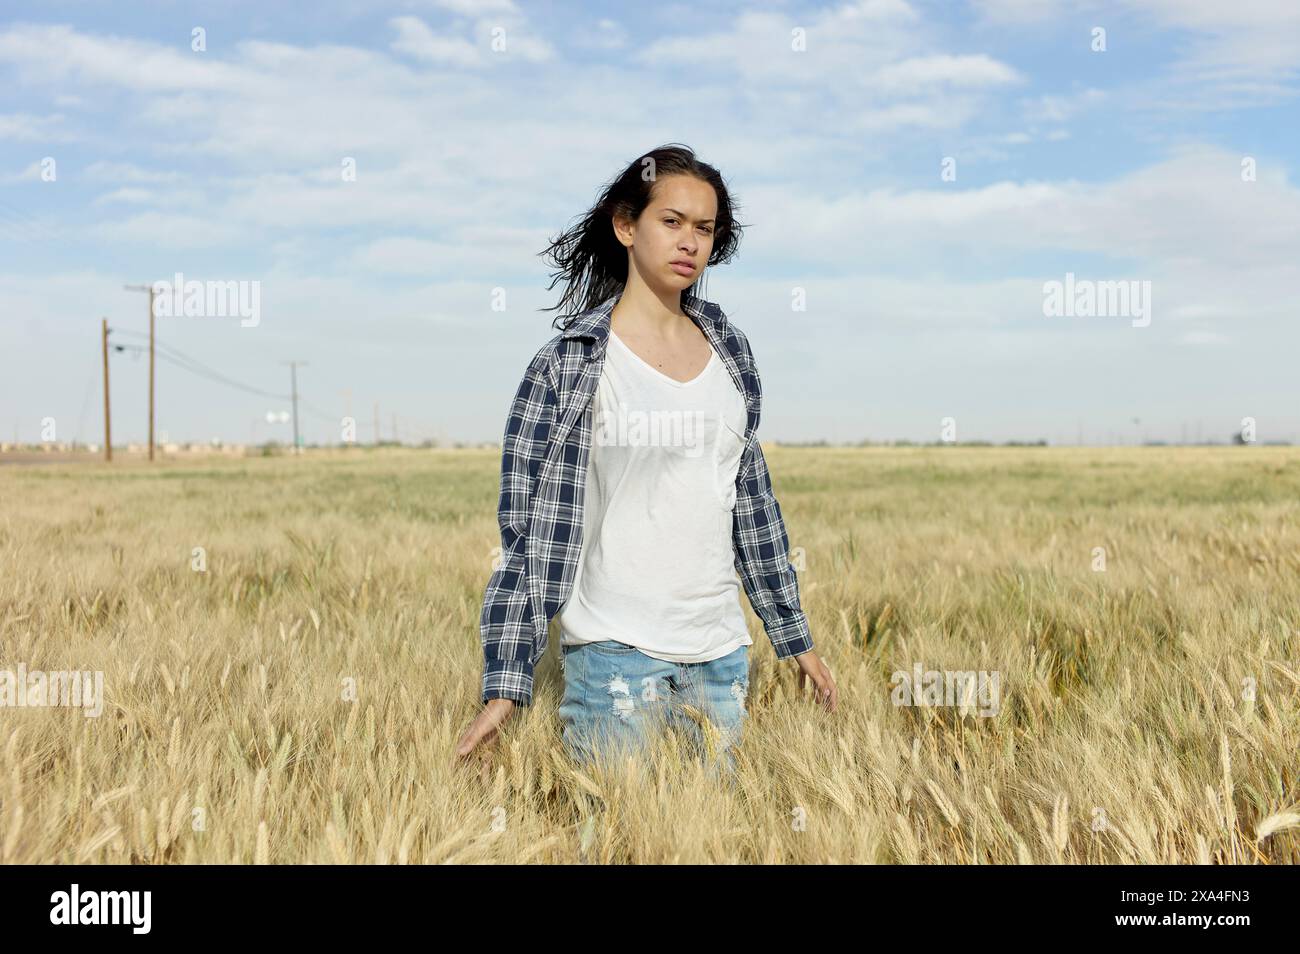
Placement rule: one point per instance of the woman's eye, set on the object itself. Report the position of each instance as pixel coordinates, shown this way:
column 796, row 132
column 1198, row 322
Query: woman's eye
column 703, row 228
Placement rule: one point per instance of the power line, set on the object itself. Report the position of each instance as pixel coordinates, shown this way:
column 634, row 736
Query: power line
column 216, row 377
column 193, row 365
column 190, row 364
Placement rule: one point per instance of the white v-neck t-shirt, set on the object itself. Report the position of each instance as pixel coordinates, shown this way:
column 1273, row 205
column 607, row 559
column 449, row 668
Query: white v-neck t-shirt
column 656, row 568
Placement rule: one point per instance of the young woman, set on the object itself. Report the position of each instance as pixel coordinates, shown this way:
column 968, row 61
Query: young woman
column 633, row 487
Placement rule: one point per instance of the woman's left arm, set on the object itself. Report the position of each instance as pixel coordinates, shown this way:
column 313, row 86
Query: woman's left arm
column 763, row 561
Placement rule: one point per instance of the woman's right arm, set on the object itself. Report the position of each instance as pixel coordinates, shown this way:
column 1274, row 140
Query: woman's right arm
column 506, row 625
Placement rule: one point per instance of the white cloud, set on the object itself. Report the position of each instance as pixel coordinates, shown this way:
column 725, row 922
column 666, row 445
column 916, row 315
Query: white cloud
column 474, row 8
column 494, row 37
column 1017, row 11
column 866, row 68
column 414, row 38
column 1214, row 247
column 24, row 127
column 848, row 41
column 921, row 73
column 1192, row 205
column 124, row 195
column 478, row 252
column 58, row 53
column 1056, row 107
column 29, row 173
column 104, row 171
column 1235, row 53
column 605, row 34
column 168, row 230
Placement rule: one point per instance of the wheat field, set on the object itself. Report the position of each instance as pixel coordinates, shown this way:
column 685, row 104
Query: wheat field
column 289, row 649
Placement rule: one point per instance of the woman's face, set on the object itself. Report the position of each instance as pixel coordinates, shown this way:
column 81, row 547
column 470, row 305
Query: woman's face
column 673, row 232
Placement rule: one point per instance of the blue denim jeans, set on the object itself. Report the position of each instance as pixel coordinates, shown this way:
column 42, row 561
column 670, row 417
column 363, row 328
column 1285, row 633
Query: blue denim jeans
column 617, row 700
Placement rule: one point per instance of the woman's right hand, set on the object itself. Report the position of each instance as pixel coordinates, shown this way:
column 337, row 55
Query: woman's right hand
column 484, row 726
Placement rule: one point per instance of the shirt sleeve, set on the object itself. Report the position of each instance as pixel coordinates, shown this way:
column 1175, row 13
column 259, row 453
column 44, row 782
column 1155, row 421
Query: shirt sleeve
column 506, row 624
column 763, row 552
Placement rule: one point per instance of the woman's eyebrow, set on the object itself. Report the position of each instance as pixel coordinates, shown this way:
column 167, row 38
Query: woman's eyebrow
column 683, row 215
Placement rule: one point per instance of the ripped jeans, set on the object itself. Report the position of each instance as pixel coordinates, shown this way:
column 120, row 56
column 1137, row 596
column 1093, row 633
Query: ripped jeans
column 617, row 699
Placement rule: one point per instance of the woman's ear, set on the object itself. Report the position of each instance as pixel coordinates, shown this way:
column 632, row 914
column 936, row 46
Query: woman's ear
column 623, row 230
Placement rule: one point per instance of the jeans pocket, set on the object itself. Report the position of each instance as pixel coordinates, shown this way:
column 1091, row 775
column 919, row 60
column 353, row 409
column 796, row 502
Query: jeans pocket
column 611, row 647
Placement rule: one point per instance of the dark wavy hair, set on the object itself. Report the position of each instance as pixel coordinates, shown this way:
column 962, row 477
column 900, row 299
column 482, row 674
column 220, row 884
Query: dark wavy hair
column 591, row 261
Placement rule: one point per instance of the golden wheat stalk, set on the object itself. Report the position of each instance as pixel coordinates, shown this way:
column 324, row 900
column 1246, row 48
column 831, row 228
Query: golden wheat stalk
column 1275, row 823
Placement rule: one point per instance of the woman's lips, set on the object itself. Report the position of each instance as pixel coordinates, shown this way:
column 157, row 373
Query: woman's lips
column 682, row 268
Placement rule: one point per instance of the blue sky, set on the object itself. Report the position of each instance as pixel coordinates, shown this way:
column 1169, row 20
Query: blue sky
column 924, row 295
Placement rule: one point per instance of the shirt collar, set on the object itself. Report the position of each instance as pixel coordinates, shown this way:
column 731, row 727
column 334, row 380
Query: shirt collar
column 594, row 322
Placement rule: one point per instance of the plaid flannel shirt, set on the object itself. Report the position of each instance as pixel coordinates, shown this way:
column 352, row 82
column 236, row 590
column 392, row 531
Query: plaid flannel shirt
column 544, row 459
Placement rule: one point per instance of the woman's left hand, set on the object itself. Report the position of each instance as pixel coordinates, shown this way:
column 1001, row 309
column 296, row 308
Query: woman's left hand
column 824, row 691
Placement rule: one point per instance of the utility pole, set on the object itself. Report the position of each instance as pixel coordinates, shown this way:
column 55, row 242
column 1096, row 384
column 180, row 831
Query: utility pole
column 395, row 437
column 108, row 424
column 376, row 423
column 293, row 381
column 149, row 289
